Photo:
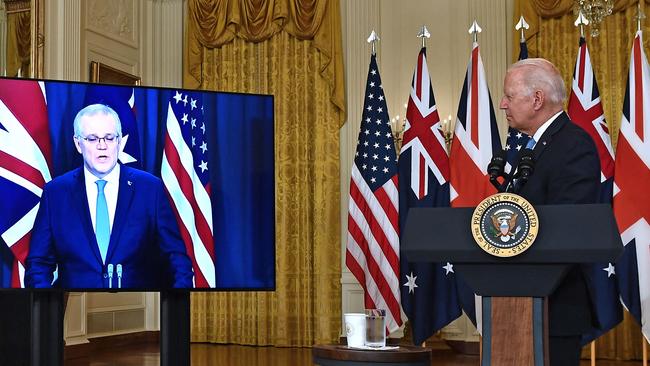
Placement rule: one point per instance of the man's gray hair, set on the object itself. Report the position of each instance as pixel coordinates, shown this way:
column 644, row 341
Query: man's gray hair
column 541, row 74
column 95, row 109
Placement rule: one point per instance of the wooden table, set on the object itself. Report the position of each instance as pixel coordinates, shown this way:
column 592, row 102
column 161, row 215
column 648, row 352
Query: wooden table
column 341, row 355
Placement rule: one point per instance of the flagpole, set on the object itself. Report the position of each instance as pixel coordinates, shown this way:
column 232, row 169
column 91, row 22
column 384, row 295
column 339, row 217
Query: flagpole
column 580, row 22
column 522, row 26
column 372, row 39
column 424, row 34
column 474, row 30
column 639, row 17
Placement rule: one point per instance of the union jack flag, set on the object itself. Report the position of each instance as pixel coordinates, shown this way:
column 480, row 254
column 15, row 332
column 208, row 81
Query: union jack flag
column 372, row 252
column 429, row 295
column 185, row 174
column 25, row 165
column 476, row 137
column 631, row 181
column 585, row 109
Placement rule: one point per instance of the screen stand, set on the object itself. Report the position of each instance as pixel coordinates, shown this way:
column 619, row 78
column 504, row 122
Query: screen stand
column 47, row 328
column 175, row 328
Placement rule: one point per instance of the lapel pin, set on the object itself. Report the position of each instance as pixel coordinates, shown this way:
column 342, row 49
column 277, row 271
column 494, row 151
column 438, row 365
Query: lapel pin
column 543, row 143
column 129, row 182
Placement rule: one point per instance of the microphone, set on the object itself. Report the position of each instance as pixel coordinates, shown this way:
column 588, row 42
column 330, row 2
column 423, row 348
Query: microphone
column 524, row 168
column 110, row 275
column 496, row 168
column 119, row 275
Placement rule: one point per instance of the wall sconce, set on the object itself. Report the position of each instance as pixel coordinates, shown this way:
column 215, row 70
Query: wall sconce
column 447, row 127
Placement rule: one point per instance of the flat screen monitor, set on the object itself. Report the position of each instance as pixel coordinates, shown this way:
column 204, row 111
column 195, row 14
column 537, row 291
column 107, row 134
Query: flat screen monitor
column 132, row 188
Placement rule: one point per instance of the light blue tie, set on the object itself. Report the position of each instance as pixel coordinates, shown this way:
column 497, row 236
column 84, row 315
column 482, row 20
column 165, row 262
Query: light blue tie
column 531, row 143
column 103, row 231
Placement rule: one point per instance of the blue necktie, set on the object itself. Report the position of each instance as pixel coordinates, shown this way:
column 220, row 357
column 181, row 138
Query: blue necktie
column 531, row 143
column 102, row 231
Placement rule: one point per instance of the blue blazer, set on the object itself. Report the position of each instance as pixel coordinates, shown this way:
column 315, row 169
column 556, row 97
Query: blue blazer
column 145, row 238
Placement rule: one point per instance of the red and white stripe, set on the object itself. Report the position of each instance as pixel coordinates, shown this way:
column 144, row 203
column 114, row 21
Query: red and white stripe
column 25, row 157
column 372, row 252
column 190, row 201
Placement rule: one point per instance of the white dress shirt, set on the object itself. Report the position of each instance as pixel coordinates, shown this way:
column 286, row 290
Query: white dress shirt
column 540, row 131
column 110, row 191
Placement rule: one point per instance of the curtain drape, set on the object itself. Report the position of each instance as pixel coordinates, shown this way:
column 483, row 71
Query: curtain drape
column 552, row 35
column 213, row 23
column 291, row 49
column 18, row 42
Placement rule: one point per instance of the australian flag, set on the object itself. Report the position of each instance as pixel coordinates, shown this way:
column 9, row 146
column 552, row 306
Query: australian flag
column 429, row 295
column 585, row 110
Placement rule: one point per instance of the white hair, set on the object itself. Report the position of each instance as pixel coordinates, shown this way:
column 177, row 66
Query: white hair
column 539, row 73
column 95, row 109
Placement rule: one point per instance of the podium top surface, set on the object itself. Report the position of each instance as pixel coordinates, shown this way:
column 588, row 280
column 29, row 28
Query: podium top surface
column 567, row 234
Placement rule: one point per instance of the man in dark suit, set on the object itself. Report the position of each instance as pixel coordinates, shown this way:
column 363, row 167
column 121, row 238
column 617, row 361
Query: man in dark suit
column 567, row 171
column 104, row 225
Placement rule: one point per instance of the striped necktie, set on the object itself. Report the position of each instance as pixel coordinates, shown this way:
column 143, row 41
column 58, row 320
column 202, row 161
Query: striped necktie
column 102, row 230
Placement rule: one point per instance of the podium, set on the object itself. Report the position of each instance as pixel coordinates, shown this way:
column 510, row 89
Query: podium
column 515, row 328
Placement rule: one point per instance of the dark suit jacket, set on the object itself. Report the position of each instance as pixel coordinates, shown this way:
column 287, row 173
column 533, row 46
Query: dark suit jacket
column 567, row 170
column 145, row 237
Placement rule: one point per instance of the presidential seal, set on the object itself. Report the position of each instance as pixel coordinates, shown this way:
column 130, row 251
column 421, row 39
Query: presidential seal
column 504, row 224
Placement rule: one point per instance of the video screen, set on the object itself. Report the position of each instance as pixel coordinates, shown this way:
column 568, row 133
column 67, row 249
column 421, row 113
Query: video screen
column 130, row 188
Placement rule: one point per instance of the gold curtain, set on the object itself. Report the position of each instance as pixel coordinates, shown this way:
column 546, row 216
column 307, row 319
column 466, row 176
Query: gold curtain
column 291, row 49
column 213, row 23
column 18, row 42
column 552, row 35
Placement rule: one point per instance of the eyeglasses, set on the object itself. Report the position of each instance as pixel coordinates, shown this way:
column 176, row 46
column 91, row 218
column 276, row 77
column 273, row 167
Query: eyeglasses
column 108, row 139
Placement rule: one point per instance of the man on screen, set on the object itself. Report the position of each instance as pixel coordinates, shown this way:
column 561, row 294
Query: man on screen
column 104, row 225
column 566, row 171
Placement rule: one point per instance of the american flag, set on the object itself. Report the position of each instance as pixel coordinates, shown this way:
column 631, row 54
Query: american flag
column 631, row 182
column 25, row 165
column 476, row 137
column 516, row 140
column 429, row 295
column 186, row 177
column 372, row 252
column 585, row 109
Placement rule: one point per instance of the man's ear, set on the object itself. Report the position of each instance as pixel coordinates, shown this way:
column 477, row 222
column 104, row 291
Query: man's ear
column 76, row 144
column 538, row 99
